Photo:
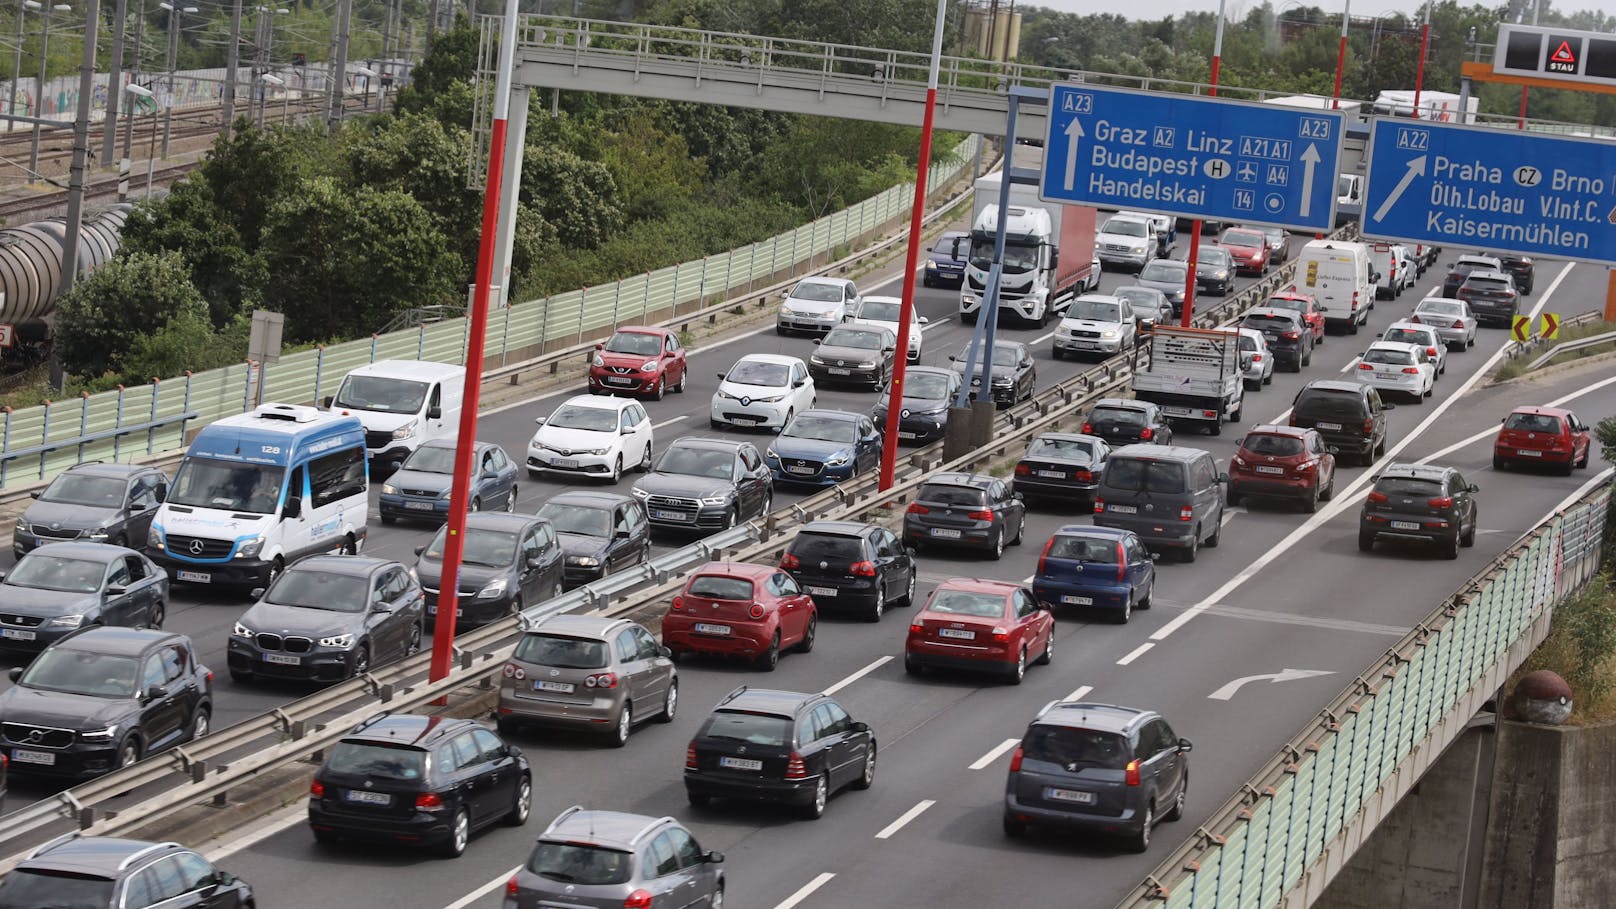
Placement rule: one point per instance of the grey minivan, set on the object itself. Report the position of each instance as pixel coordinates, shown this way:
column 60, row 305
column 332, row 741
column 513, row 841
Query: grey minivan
column 1171, row 496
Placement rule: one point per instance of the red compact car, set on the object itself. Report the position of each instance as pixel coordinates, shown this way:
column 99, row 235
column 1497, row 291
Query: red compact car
column 980, row 625
column 638, row 360
column 1542, row 435
column 1305, row 305
column 1249, row 246
column 740, row 609
column 1286, row 462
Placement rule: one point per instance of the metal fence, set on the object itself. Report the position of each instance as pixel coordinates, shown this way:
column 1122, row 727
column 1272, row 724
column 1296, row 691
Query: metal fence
column 515, row 332
column 1282, row 838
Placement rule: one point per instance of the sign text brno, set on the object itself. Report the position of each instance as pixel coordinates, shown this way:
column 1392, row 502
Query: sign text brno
column 1193, row 157
column 1494, row 189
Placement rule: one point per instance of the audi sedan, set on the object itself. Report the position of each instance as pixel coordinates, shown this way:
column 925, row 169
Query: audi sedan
column 706, row 485
column 979, row 625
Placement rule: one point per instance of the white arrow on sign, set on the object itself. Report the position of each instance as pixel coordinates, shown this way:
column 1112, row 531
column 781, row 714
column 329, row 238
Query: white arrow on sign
column 1310, row 159
column 1416, row 168
column 1227, row 692
column 1074, row 132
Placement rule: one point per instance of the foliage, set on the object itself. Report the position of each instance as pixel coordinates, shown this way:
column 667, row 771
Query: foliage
column 104, row 314
column 824, row 164
column 1605, row 433
column 444, row 75
column 190, row 222
column 1580, row 644
column 576, row 198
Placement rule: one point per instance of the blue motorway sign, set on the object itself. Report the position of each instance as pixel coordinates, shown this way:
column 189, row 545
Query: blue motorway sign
column 1193, row 157
column 1497, row 189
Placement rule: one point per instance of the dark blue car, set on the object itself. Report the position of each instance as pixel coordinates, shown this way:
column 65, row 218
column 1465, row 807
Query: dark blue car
column 824, row 447
column 1095, row 567
column 419, row 489
column 945, row 260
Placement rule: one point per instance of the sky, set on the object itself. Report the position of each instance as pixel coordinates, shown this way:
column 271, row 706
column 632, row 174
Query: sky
column 1236, row 9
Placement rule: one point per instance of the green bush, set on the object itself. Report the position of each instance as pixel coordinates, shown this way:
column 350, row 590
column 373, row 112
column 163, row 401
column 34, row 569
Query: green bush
column 1580, row 646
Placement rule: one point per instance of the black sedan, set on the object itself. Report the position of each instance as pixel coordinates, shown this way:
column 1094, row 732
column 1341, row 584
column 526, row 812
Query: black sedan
column 600, row 532
column 965, row 509
column 61, row 587
column 1123, row 421
column 706, row 484
column 1149, row 306
column 928, row 392
column 1062, row 465
column 1014, row 375
column 1214, row 270
column 509, row 562
column 854, row 355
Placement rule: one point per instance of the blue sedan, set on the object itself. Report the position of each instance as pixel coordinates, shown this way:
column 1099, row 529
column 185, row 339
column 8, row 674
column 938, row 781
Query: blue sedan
column 824, row 447
column 1100, row 567
column 419, row 489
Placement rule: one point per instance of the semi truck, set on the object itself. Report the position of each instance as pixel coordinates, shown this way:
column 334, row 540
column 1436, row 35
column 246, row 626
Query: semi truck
column 1442, row 107
column 1049, row 256
column 1195, row 374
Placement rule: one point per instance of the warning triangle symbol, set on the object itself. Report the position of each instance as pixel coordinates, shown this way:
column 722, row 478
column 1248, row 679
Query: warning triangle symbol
column 1564, row 54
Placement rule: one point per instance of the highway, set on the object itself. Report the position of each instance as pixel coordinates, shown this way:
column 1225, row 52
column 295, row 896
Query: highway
column 1283, row 591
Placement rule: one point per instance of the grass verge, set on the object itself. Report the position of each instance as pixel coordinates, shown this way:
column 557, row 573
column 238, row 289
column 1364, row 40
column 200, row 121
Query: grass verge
column 1516, row 367
column 1581, row 647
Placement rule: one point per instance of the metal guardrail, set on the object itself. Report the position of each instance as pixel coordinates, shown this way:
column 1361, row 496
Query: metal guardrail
column 233, row 757
column 1292, row 827
column 1568, row 346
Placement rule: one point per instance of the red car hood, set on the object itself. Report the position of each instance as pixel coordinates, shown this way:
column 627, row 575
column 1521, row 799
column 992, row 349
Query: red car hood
column 1245, row 252
column 625, row 359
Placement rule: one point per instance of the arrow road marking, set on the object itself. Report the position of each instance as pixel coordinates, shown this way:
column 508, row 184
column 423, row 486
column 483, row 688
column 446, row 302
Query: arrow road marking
column 1416, row 167
column 1310, row 160
column 1074, row 132
column 1285, row 675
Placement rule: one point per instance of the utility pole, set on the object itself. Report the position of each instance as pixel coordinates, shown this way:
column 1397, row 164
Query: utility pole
column 231, row 59
column 134, row 78
column 339, row 69
column 75, row 179
column 109, row 135
column 16, row 67
column 39, row 88
column 431, row 25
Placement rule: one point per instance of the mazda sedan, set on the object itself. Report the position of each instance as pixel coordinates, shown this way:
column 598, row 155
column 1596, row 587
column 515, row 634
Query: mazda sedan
column 823, row 448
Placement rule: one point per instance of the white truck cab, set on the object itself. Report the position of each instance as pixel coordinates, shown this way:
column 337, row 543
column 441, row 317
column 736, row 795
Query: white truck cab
column 402, row 403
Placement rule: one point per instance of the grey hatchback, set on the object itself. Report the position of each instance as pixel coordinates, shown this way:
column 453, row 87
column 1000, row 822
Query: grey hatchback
column 1097, row 767
column 611, row 859
column 588, row 672
column 100, row 503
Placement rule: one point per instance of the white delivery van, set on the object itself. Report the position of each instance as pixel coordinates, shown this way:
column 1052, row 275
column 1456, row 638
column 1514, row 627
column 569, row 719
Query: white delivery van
column 258, row 491
column 402, row 403
column 1393, row 264
column 1339, row 275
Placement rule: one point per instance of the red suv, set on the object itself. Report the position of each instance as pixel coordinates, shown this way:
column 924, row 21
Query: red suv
column 638, row 360
column 1305, row 305
column 740, row 609
column 1542, row 435
column 982, row 625
column 1285, row 462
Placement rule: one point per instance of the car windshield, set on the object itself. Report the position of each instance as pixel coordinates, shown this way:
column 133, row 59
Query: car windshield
column 1214, row 257
column 227, row 486
column 720, row 587
column 579, row 519
column 968, row 602
column 1331, row 402
column 1490, row 285
column 577, row 416
column 745, row 726
column 1075, row 449
column 1124, row 227
column 1006, row 356
column 1264, row 444
column 78, row 489
column 1343, row 186
column 1440, row 308
column 314, row 589
column 757, row 372
column 639, row 343
column 381, row 393
column 1247, row 342
column 1274, row 233
column 99, row 675
column 854, row 338
column 880, row 310
column 1111, row 415
column 489, row 548
column 32, row 888
column 837, row 549
column 1139, row 297
column 577, row 863
column 816, row 292
column 1018, row 256
column 822, row 428
column 561, row 651
column 1095, row 311
column 1163, row 270
column 376, row 760
column 1262, row 322
column 1525, row 422
column 1075, row 748
column 1408, row 336
column 49, row 572
column 1084, row 549
column 1244, row 238
column 1388, row 356
column 1142, row 475
column 1474, row 262
column 1409, row 486
column 715, row 464
column 431, row 459
column 1290, row 303
column 927, row 386
column 951, row 494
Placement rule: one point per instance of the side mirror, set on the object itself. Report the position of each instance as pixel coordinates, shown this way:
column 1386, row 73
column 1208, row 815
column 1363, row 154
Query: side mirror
column 600, row 346
column 621, row 534
column 155, row 692
column 720, row 377
column 434, row 413
column 115, row 590
column 924, row 321
column 1333, row 450
column 1380, row 335
column 15, row 673
column 256, row 592
column 889, row 348
column 293, row 508
column 911, row 551
column 533, row 560
column 379, row 605
column 859, row 727
column 818, row 341
column 1503, row 419
column 538, row 421
column 1184, row 746
column 1473, row 488
column 713, row 858
column 1223, row 478
column 1016, row 496
column 326, row 401
column 162, row 494
column 35, row 494
column 1388, row 407
column 799, row 383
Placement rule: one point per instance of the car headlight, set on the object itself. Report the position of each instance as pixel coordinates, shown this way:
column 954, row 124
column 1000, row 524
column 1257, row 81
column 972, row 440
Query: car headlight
column 773, row 400
column 785, row 309
column 639, row 493
column 838, row 459
column 99, row 533
column 969, row 300
column 494, row 588
column 931, row 266
column 1001, row 380
column 241, row 631
column 583, row 561
column 99, row 735
column 405, row 431
column 816, row 359
column 154, row 538
column 770, row 454
column 726, row 395
column 1137, row 250
column 599, row 360
column 22, row 526
column 867, row 364
column 647, row 366
column 71, row 620
column 1221, row 273
column 246, row 549
column 388, row 489
column 340, row 641
column 1109, row 334
column 1239, row 460
column 593, row 451
column 715, row 500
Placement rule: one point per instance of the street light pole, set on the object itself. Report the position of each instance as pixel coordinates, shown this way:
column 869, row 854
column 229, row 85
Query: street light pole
column 75, row 179
column 39, row 89
column 109, row 132
column 1341, row 53
column 134, row 78
column 16, row 67
column 1186, row 313
column 232, row 57
column 1419, row 71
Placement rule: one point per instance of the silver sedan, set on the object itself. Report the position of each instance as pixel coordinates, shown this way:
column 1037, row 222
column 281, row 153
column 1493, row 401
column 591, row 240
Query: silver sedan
column 1453, row 320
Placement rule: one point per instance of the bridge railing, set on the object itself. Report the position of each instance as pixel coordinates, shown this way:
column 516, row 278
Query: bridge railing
column 1292, row 827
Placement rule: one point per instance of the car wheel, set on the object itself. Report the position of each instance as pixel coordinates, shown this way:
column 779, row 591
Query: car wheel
column 1126, row 612
column 276, row 566
column 909, row 592
column 657, row 389
column 670, row 702
column 1311, row 503
column 1013, row 828
column 997, row 552
column 1150, row 591
column 1468, row 538
column 1499, row 463
column 733, row 518
column 910, row 667
column 1019, row 670
column 815, row 809
column 1366, row 541
column 507, row 726
column 1217, row 534
column 414, row 645
column 645, row 459
column 1329, row 490
column 771, row 657
column 391, row 520
column 1176, row 812
column 459, row 834
column 510, row 499
column 716, row 424
column 716, row 901
column 1048, row 656
column 327, row 837
column 119, row 540
column 523, row 806
column 878, row 608
column 158, row 614
column 806, row 645
column 697, row 800
column 1140, row 842
column 476, row 504
column 622, row 728
column 361, row 662
column 128, row 753
column 1450, row 548
column 617, row 470
column 1021, row 530
column 1194, row 549
column 1232, row 497
column 867, row 777
column 239, row 677
column 201, row 722
column 767, row 506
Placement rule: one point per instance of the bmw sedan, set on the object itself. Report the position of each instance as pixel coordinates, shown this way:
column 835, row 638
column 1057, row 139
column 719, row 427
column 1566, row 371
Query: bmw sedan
column 823, row 448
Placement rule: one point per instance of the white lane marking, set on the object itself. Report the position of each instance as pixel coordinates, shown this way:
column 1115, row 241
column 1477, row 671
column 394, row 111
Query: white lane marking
column 1230, row 515
column 805, row 891
column 1041, row 338
column 1135, row 654
column 668, row 422
column 1080, row 693
column 1346, row 498
column 1351, row 364
column 483, row 891
column 1493, row 431
column 904, row 818
column 858, row 675
column 998, row 751
column 289, row 816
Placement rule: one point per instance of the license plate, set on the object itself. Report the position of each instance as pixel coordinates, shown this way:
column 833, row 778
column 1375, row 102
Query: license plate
column 558, row 687
column 1085, row 345
column 1077, row 601
column 618, row 380
column 705, row 628
column 564, row 462
column 433, row 610
column 1335, row 427
column 199, row 577
column 369, row 798
column 1405, row 525
column 282, row 659
column 1177, row 411
column 418, row 506
column 734, row 763
column 1277, row 471
column 794, row 469
column 838, row 371
column 956, row 633
column 1527, row 453
column 17, row 634
column 945, row 533
column 907, row 435
column 822, row 591
column 1123, row 509
column 1069, row 795
column 670, row 515
column 33, row 757
column 1055, row 474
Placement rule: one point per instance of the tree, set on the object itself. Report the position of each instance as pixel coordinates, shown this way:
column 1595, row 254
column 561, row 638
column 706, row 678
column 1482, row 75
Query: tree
column 651, row 169
column 577, row 198
column 101, row 318
column 190, row 222
column 447, row 70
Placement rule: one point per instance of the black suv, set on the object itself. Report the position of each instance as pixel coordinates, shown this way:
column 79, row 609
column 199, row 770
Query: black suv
column 1492, row 297
column 1289, row 338
column 103, row 872
column 1122, row 421
column 1460, row 269
column 852, row 566
column 103, row 503
column 1097, row 767
column 706, row 484
column 402, row 778
column 104, row 698
column 600, row 532
column 1349, row 415
column 778, row 746
column 1520, row 268
column 1423, row 503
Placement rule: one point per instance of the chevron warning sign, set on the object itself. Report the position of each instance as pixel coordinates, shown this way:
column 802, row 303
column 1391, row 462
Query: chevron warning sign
column 1521, row 330
column 1551, row 326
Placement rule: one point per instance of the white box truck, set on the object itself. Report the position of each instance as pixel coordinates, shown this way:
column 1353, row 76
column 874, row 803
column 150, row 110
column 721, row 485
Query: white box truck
column 1443, row 107
column 1341, row 276
column 1195, row 374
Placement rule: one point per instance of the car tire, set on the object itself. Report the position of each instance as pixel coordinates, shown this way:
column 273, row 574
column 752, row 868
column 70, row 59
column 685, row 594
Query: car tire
column 413, row 646
column 715, row 424
column 997, row 551
column 159, row 613
column 867, row 776
column 1121, row 616
column 510, row 498
column 1150, row 594
column 276, row 567
column 1048, row 656
column 327, row 838
column 1468, row 537
column 119, row 540
column 201, row 721
column 878, row 606
column 361, row 663
column 1176, row 813
column 1013, row 828
column 617, row 469
column 1021, row 530
column 1232, row 497
column 1311, row 503
column 1450, row 548
column 507, row 726
column 617, row 737
column 1500, row 463
column 1188, row 555
column 814, row 809
column 733, row 519
column 129, row 751
column 645, row 460
column 697, row 800
column 523, row 806
column 1018, row 671
column 454, row 845
column 909, row 592
column 670, row 702
column 1566, row 468
column 1329, row 491
column 770, row 659
column 806, row 645
column 658, row 390
column 390, row 520
column 1366, row 541
column 1217, row 534
column 1140, row 841
column 910, row 667
column 476, row 505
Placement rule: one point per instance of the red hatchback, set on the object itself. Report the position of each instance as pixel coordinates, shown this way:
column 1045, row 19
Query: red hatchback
column 1287, row 462
column 981, row 625
column 740, row 609
column 1542, row 435
column 1250, row 249
column 1305, row 305
column 638, row 360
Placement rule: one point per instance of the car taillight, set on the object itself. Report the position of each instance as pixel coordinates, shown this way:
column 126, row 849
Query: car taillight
column 1001, row 635
column 1015, row 760
column 1122, row 562
column 862, row 569
column 1043, row 557
column 1368, row 426
column 756, row 611
column 1256, row 358
column 1023, row 470
column 639, row 899
column 1440, row 502
column 678, row 603
column 1430, row 351
column 1365, row 366
column 1099, row 505
column 1354, row 301
column 515, row 672
column 795, row 768
column 1378, row 497
column 601, row 680
column 918, row 508
column 690, row 756
column 983, row 515
column 1132, row 771
column 1088, row 427
column 1457, row 323
column 428, row 801
column 1291, row 335
column 1411, row 370
column 510, row 888
column 790, row 561
column 1293, row 420
column 316, row 790
column 1306, row 466
column 1147, row 434
column 917, row 627
column 1186, row 513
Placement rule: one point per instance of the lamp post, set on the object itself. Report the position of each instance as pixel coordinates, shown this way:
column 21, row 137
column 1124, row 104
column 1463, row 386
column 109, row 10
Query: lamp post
column 1341, row 54
column 16, row 67
column 39, row 89
column 1187, row 313
column 369, row 75
column 141, row 91
column 263, row 37
column 172, row 60
column 266, row 82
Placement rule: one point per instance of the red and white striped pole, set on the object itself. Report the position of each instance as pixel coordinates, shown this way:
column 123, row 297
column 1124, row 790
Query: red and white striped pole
column 1419, row 71
column 443, row 627
column 1341, row 54
column 1186, row 313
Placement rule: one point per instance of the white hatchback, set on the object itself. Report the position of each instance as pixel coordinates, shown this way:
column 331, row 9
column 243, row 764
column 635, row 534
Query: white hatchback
column 762, row 391
column 1390, row 366
column 883, row 312
column 1425, row 336
column 594, row 436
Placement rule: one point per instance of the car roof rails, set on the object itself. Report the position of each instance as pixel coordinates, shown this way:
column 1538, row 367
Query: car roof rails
column 52, row 843
column 371, row 720
column 563, row 816
column 138, row 855
column 733, row 695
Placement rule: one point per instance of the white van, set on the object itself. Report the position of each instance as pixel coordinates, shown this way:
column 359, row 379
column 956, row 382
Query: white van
column 258, row 491
column 1340, row 276
column 402, row 403
column 1395, row 266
